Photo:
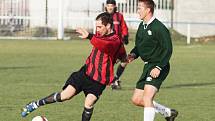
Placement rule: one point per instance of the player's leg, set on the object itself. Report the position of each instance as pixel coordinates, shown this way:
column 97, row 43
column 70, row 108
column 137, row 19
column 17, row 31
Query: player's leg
column 169, row 114
column 120, row 69
column 137, row 98
column 90, row 100
column 66, row 94
column 143, row 98
column 144, row 94
column 92, row 90
column 149, row 94
column 71, row 87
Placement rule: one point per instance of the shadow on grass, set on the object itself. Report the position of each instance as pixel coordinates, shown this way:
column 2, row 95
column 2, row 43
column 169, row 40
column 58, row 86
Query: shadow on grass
column 18, row 67
column 190, row 85
column 124, row 88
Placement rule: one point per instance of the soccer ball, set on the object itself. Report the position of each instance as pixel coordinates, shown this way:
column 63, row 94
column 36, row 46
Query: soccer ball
column 39, row 118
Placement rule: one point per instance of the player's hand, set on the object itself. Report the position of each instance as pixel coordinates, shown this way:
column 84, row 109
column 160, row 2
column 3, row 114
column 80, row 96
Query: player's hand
column 155, row 72
column 83, row 33
column 131, row 57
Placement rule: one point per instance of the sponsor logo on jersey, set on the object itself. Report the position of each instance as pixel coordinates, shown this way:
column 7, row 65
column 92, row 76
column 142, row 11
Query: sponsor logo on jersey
column 149, row 32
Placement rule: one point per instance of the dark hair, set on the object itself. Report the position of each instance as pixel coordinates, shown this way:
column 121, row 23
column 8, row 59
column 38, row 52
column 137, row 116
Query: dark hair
column 149, row 4
column 106, row 18
column 111, row 2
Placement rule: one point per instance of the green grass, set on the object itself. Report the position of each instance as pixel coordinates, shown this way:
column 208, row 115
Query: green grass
column 30, row 70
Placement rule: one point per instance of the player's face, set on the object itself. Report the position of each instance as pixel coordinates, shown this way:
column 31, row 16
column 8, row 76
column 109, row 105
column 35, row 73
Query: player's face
column 110, row 8
column 142, row 10
column 100, row 28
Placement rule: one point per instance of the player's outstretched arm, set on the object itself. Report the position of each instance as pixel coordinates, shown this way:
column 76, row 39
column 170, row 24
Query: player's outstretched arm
column 83, row 33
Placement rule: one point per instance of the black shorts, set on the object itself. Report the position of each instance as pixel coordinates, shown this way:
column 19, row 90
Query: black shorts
column 81, row 82
column 147, row 79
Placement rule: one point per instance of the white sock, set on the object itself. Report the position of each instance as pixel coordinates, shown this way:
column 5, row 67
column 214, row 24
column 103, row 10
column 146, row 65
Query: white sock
column 149, row 114
column 35, row 105
column 166, row 112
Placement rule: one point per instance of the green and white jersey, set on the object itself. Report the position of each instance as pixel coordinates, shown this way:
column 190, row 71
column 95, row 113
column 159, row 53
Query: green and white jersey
column 153, row 43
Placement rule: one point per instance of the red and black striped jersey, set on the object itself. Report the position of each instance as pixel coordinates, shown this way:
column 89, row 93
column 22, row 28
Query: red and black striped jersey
column 100, row 63
column 120, row 26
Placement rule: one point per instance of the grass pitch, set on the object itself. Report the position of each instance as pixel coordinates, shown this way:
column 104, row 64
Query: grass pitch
column 30, row 70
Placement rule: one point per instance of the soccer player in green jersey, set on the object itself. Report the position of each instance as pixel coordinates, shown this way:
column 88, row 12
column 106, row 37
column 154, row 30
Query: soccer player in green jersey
column 153, row 45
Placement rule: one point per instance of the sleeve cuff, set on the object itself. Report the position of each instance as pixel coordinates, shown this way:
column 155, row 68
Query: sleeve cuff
column 158, row 67
column 90, row 36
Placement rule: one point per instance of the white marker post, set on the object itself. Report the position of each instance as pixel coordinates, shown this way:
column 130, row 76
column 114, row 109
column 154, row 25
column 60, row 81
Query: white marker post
column 188, row 34
column 60, row 21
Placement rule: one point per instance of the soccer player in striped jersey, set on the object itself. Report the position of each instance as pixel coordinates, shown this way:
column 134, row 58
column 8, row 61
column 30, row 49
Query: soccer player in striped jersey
column 121, row 30
column 95, row 74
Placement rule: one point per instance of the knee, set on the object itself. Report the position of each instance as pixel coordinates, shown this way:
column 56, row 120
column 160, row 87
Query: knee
column 65, row 96
column 88, row 105
column 137, row 101
column 68, row 93
column 90, row 100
